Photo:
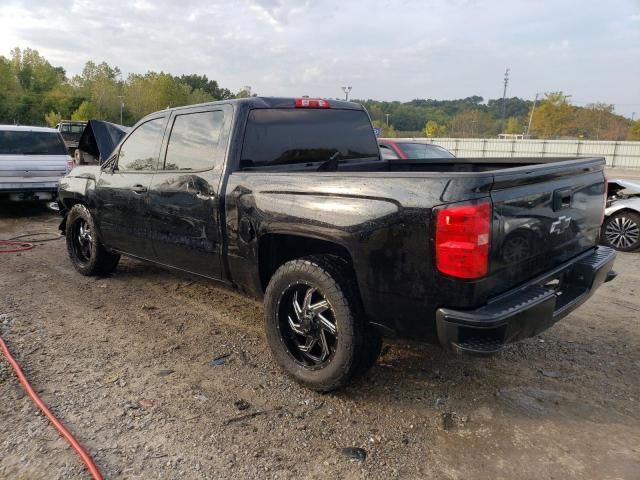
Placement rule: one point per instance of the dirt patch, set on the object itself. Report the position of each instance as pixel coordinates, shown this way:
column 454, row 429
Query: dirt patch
column 163, row 375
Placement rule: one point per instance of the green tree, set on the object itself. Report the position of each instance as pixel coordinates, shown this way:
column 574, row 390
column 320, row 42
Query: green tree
column 209, row 87
column 513, row 126
column 53, row 118
column 10, row 91
column 100, row 84
column 244, row 92
column 634, row 131
column 431, row 129
column 553, row 118
column 86, row 111
column 474, row 124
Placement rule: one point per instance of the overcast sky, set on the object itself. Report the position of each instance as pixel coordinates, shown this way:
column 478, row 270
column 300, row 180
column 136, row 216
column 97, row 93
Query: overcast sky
column 386, row 50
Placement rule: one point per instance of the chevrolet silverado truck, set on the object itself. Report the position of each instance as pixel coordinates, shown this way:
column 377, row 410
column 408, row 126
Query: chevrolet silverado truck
column 289, row 200
column 32, row 161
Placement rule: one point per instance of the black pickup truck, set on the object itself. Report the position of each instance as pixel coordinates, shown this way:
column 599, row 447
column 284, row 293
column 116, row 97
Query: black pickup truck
column 289, row 200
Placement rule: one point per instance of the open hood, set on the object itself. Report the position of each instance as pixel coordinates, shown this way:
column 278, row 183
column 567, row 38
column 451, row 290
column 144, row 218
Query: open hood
column 617, row 185
column 100, row 138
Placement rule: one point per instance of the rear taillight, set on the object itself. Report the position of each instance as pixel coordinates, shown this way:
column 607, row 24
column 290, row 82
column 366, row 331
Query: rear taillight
column 462, row 240
column 311, row 103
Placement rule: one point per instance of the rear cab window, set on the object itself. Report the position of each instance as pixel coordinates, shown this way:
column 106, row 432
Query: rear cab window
column 194, row 141
column 279, row 137
column 21, row 142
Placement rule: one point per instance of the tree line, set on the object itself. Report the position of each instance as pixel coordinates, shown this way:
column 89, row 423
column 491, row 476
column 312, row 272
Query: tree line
column 553, row 117
column 34, row 92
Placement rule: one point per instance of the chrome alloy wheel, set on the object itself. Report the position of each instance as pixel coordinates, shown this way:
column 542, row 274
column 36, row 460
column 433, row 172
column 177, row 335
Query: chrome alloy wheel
column 622, row 232
column 82, row 240
column 307, row 325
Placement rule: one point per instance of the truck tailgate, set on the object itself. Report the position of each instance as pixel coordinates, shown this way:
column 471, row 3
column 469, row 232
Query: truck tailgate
column 27, row 169
column 543, row 217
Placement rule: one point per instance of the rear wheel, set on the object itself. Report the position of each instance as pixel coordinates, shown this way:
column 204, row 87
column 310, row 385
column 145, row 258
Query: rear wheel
column 86, row 252
column 622, row 231
column 315, row 325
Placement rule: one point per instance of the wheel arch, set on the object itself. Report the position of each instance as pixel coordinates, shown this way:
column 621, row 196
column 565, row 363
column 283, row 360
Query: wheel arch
column 275, row 249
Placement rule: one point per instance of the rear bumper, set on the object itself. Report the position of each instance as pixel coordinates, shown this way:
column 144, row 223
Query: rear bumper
column 28, row 187
column 527, row 310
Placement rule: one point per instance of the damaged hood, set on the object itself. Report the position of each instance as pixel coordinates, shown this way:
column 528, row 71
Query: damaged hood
column 100, row 138
column 630, row 185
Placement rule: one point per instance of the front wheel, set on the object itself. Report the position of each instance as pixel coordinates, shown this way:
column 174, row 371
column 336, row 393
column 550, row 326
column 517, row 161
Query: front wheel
column 314, row 323
column 86, row 252
column 622, row 231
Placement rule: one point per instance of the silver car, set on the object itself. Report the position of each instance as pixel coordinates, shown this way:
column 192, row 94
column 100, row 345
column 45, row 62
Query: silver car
column 621, row 226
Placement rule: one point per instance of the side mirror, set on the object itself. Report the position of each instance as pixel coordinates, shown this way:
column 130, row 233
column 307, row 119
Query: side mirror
column 111, row 163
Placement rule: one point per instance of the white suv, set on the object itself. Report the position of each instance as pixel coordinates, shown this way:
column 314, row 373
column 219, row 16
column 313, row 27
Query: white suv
column 32, row 161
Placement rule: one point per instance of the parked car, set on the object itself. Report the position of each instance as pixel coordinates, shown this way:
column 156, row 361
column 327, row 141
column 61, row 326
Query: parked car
column 288, row 200
column 621, row 226
column 71, row 132
column 396, row 148
column 32, row 161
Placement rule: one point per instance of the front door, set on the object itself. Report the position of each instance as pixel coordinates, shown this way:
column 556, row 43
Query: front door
column 183, row 195
column 122, row 192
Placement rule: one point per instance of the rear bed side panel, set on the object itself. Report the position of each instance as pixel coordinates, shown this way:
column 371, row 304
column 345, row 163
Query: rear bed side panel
column 383, row 223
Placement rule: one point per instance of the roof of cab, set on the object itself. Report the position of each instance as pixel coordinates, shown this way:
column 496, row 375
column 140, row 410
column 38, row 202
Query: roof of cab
column 26, row 128
column 276, row 102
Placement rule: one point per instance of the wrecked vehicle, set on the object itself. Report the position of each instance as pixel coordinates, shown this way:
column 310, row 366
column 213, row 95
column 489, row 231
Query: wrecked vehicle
column 289, row 200
column 97, row 141
column 621, row 226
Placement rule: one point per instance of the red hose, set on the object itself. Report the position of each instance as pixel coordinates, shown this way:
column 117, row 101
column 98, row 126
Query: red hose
column 22, row 246
column 86, row 458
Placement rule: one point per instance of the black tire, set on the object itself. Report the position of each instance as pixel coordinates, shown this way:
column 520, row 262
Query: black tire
column 84, row 246
column 350, row 351
column 622, row 231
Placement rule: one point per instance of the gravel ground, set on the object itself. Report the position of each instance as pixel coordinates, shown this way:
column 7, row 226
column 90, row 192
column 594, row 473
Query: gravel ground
column 127, row 363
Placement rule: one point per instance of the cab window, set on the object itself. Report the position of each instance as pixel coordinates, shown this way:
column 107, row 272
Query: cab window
column 139, row 152
column 193, row 143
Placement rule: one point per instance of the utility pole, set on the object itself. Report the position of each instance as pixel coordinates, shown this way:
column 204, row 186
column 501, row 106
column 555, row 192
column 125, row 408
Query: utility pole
column 504, row 95
column 346, row 91
column 121, row 97
column 535, row 100
column 387, row 115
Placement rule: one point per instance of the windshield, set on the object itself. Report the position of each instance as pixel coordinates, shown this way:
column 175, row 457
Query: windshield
column 72, row 128
column 275, row 137
column 423, row 150
column 13, row 142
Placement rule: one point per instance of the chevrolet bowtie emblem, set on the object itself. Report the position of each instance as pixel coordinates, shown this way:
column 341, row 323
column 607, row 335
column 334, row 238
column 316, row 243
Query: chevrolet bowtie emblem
column 560, row 225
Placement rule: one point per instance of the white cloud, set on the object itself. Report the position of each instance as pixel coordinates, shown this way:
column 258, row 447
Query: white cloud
column 386, row 49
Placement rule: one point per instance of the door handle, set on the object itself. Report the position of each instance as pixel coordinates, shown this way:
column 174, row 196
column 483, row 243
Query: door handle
column 139, row 188
column 562, row 198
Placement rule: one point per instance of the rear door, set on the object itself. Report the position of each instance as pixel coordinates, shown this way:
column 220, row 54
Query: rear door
column 543, row 218
column 184, row 193
column 122, row 193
